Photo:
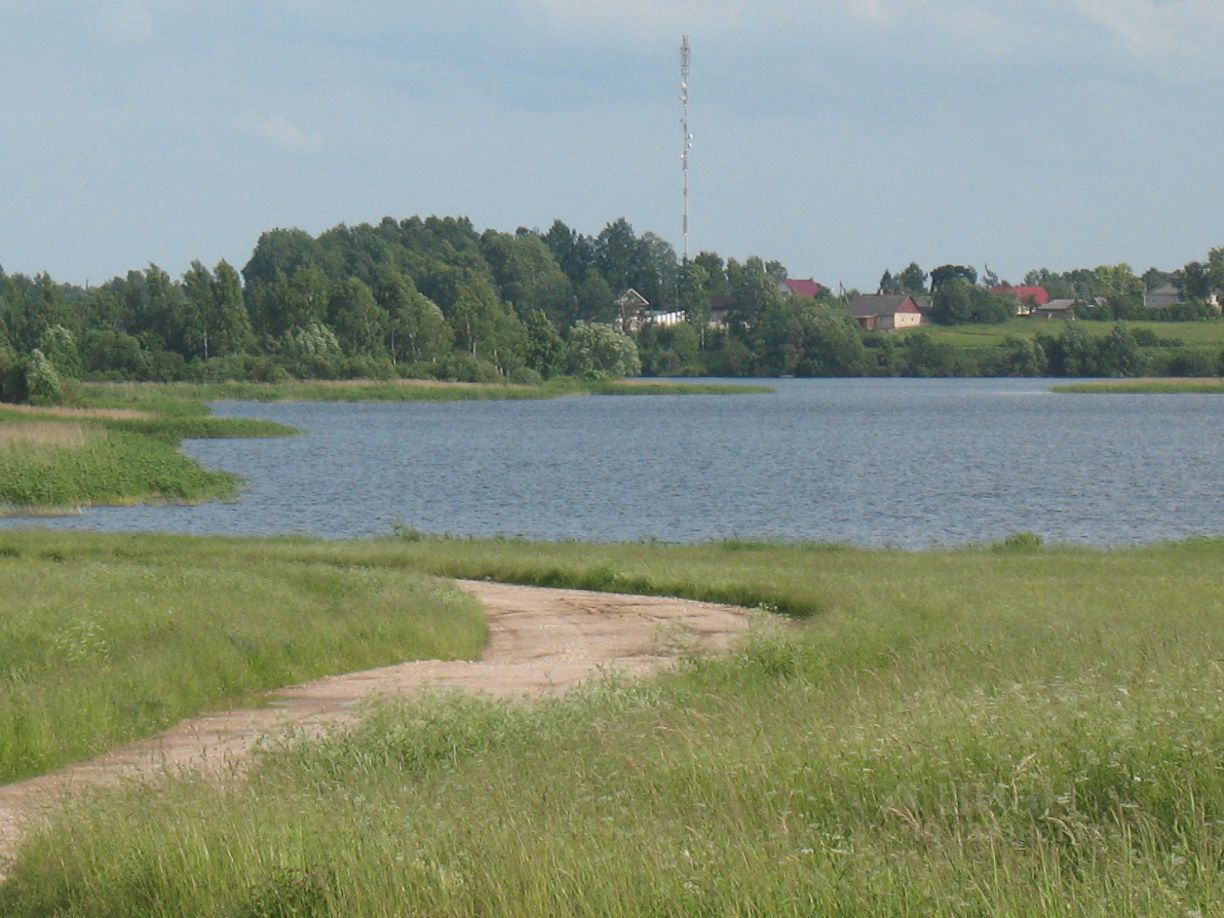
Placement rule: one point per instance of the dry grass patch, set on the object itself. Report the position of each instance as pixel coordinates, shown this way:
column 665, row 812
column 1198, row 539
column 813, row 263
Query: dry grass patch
column 47, row 433
column 110, row 414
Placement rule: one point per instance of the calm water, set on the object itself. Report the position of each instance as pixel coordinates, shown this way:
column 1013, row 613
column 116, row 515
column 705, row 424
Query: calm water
column 910, row 463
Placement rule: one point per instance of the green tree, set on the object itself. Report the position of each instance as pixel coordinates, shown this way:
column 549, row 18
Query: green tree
column 356, row 318
column 693, row 296
column 716, row 272
column 526, row 274
column 596, row 301
column 616, row 255
column 415, row 329
column 1118, row 354
column 912, row 280
column 215, row 320
column 42, row 382
column 599, row 352
column 808, row 338
column 754, row 290
column 312, row 350
column 486, row 328
column 945, row 274
column 59, row 347
column 573, row 252
column 953, row 302
column 545, row 352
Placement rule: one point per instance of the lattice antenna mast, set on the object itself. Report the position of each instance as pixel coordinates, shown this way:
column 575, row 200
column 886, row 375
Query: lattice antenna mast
column 688, row 138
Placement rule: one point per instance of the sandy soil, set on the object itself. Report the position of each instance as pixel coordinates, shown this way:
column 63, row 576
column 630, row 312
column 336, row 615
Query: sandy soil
column 541, row 641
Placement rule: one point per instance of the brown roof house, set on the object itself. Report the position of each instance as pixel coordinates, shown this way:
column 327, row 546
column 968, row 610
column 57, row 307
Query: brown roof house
column 880, row 311
column 1055, row 309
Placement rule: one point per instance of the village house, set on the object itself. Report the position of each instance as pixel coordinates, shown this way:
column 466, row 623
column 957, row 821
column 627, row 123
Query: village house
column 1162, row 297
column 1055, row 309
column 634, row 313
column 883, row 311
column 631, row 306
column 805, row 287
column 1027, row 297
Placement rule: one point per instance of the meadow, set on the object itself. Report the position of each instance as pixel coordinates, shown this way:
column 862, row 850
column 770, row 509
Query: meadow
column 1014, row 729
column 1207, row 333
column 111, row 638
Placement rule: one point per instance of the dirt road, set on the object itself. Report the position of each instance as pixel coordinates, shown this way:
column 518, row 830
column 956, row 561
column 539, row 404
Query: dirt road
column 541, row 641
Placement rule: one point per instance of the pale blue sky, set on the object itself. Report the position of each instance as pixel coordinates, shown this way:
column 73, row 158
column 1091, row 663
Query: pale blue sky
column 839, row 136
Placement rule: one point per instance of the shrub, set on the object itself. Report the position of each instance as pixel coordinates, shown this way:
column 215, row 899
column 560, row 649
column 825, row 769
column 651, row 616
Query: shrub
column 43, row 383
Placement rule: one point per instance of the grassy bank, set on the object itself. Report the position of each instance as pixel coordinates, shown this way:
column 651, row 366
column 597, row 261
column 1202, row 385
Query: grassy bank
column 1019, row 731
column 1208, row 333
column 157, row 395
column 1140, row 386
column 60, row 460
column 108, row 638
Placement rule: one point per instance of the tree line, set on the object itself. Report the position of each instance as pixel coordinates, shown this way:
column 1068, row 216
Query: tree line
column 434, row 297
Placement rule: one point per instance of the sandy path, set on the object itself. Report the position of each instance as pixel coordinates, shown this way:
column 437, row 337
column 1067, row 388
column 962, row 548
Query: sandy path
column 540, row 641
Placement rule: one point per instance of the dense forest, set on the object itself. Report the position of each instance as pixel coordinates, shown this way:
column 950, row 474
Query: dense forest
column 435, row 298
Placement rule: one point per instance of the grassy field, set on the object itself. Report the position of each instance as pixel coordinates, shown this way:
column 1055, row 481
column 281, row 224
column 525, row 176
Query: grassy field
column 1158, row 386
column 60, row 460
column 1013, row 730
column 108, row 638
column 1191, row 334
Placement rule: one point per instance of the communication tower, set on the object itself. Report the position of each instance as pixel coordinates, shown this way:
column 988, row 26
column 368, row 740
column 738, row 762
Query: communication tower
column 688, row 138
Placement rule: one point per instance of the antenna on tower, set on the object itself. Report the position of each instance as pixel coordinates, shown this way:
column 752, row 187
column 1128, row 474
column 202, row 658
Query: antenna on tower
column 688, row 138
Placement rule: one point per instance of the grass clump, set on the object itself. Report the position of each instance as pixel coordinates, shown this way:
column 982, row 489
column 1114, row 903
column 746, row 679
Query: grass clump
column 105, row 639
column 955, row 733
column 1145, row 386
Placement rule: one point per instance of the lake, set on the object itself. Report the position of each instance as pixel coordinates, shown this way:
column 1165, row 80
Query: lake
column 900, row 462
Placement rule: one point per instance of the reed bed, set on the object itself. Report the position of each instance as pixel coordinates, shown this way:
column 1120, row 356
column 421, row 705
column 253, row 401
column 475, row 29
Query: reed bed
column 1012, row 730
column 55, row 460
column 170, row 398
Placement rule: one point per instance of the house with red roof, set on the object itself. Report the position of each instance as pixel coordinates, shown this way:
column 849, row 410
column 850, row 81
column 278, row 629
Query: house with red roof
column 1027, row 298
column 800, row 286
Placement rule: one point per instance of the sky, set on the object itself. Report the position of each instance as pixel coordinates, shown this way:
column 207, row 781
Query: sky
column 840, row 137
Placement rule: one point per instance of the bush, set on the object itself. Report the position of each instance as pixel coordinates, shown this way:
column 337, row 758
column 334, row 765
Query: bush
column 366, row 368
column 466, row 368
column 1020, row 542
column 600, row 352
column 525, row 376
column 42, row 381
column 12, row 376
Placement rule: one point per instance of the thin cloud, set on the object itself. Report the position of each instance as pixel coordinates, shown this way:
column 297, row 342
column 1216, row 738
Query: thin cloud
column 129, row 22
column 278, row 131
column 1185, row 34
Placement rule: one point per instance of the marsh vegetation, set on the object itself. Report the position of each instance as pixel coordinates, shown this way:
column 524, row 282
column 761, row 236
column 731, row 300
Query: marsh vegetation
column 1011, row 729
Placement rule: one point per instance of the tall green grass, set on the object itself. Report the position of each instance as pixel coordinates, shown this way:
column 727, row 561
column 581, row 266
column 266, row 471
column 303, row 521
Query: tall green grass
column 118, row 460
column 108, row 638
column 1138, row 386
column 1019, row 731
column 110, row 467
